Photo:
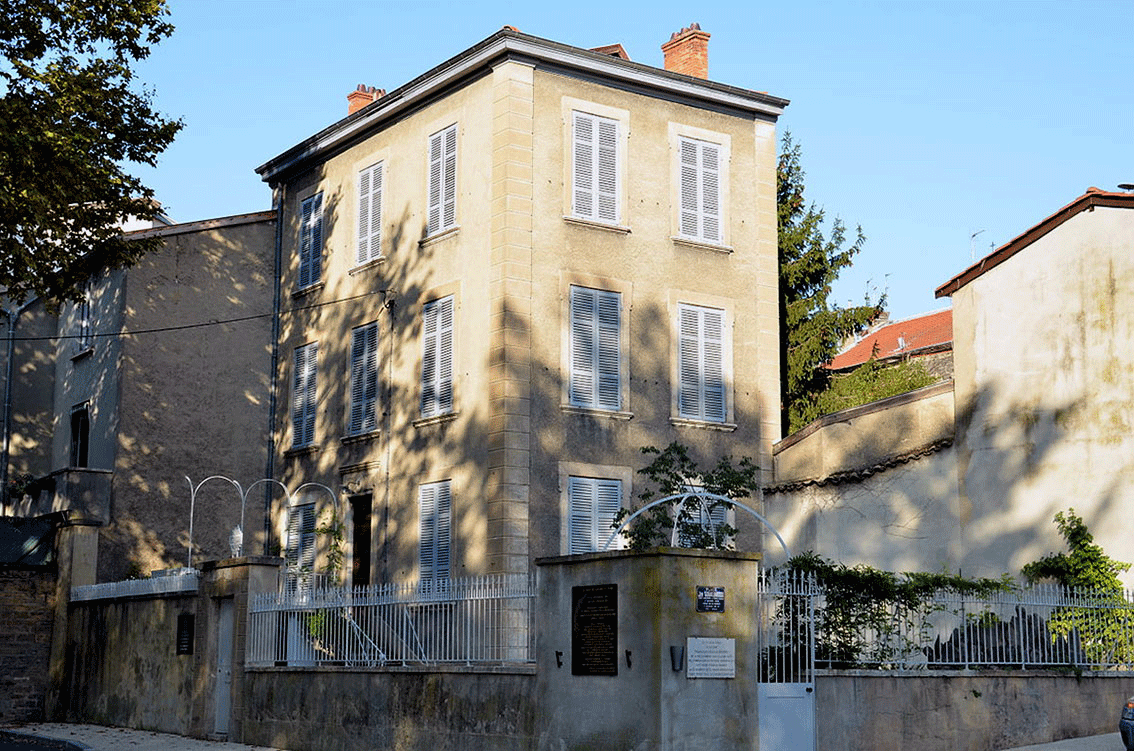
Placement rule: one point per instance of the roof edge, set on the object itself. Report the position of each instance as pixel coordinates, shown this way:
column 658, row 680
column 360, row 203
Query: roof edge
column 1088, row 201
column 504, row 43
column 201, row 225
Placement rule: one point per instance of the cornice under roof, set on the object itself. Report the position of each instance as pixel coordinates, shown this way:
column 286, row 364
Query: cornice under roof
column 1088, row 201
column 511, row 43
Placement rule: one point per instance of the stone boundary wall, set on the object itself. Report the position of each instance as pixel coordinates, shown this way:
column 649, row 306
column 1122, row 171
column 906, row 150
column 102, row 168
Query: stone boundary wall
column 970, row 711
column 393, row 709
column 27, row 612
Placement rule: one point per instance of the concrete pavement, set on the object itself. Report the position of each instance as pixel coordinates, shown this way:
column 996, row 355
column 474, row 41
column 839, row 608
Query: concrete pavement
column 99, row 738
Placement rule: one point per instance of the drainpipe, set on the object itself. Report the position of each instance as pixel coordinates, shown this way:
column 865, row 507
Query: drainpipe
column 13, row 316
column 278, row 193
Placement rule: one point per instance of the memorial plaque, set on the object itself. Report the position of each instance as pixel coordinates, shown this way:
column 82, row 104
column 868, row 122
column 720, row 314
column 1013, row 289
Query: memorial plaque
column 710, row 599
column 185, row 634
column 594, row 630
column 710, row 658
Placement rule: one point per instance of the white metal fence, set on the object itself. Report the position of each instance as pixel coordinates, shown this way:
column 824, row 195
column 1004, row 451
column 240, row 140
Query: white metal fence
column 173, row 581
column 1035, row 627
column 476, row 620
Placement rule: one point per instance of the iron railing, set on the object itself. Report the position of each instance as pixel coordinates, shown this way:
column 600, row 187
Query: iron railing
column 170, row 582
column 1036, row 627
column 471, row 621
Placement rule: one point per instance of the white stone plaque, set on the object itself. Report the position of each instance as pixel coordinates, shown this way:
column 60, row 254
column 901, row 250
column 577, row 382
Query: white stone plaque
column 710, row 657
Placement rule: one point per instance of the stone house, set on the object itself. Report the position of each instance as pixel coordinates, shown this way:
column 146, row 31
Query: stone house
column 500, row 281
column 160, row 373
column 967, row 475
column 926, row 338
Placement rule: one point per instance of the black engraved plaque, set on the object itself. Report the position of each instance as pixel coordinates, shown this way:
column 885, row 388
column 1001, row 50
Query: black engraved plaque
column 594, row 630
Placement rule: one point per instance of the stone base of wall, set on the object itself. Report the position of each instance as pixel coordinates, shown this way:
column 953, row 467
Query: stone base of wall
column 962, row 711
column 393, row 709
column 27, row 612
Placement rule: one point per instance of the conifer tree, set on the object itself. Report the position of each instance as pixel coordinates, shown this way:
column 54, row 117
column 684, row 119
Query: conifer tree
column 812, row 327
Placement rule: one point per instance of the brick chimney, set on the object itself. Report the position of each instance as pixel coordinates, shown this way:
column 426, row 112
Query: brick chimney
column 687, row 51
column 362, row 96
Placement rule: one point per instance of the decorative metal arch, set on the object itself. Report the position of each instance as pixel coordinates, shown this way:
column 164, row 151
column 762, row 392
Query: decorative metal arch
column 704, row 502
column 193, row 489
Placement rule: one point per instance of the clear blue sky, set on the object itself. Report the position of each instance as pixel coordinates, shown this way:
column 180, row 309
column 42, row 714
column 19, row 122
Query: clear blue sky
column 923, row 122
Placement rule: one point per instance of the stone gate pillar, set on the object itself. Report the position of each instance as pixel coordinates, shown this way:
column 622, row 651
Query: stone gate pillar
column 652, row 650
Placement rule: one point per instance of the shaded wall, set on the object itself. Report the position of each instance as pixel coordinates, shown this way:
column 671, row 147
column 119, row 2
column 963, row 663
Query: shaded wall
column 27, row 609
column 874, row 484
column 395, row 710
column 121, row 663
column 964, row 712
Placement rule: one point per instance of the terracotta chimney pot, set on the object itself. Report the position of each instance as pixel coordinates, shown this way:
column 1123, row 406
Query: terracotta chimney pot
column 362, row 96
column 687, row 52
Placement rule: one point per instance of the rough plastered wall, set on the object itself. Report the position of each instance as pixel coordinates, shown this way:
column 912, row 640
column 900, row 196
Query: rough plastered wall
column 969, row 711
column 875, row 485
column 1045, row 393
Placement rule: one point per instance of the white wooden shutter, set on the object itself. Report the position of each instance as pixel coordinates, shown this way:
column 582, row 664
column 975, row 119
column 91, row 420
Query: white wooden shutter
column 435, row 511
column 311, row 240
column 301, row 536
column 437, row 358
column 595, row 168
column 701, row 389
column 592, row 503
column 596, row 348
column 303, row 395
column 369, row 214
column 442, row 211
column 700, row 190
column 364, row 379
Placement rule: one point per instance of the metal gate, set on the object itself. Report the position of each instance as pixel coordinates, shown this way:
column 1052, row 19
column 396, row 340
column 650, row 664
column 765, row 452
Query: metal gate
column 786, row 681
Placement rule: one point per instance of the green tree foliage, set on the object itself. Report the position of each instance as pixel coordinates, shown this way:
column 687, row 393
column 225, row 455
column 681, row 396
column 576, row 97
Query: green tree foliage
column 861, row 601
column 868, row 383
column 672, row 471
column 1085, row 565
column 812, row 327
column 1105, row 628
column 71, row 117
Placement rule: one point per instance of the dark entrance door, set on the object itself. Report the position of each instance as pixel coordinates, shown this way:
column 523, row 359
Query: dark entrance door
column 360, row 546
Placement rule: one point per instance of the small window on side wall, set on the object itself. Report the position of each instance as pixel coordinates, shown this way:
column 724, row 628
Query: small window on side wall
column 80, row 435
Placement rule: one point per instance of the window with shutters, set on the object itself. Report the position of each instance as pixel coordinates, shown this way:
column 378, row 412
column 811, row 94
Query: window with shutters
column 706, row 521
column 437, row 358
column 595, row 168
column 595, row 350
column 300, row 552
column 303, row 394
column 592, row 504
column 699, row 172
column 442, row 208
column 84, row 336
column 363, row 380
column 435, row 513
column 702, row 351
column 311, row 241
column 369, row 246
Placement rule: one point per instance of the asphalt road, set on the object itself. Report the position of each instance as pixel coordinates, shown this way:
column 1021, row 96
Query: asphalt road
column 99, row 738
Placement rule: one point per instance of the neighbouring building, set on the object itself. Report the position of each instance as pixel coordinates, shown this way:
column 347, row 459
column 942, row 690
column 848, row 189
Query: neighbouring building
column 504, row 278
column 160, row 373
column 968, row 475
column 926, row 339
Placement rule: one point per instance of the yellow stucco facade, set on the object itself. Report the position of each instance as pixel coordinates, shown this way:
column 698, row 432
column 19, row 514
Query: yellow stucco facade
column 515, row 433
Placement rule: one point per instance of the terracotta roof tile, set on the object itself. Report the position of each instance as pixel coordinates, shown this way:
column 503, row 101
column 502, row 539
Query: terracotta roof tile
column 898, row 338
